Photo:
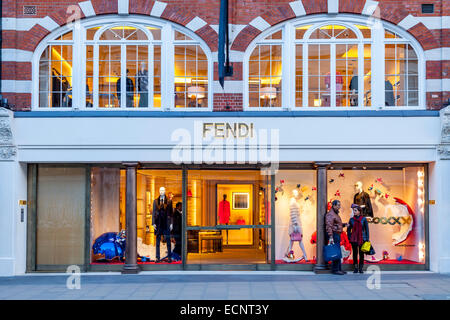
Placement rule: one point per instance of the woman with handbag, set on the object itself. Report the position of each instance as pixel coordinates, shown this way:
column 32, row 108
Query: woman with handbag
column 358, row 234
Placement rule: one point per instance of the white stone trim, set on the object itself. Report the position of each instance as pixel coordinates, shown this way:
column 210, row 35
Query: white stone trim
column 333, row 6
column 433, row 23
column 260, row 24
column 235, row 56
column 196, row 24
column 19, row 24
column 16, row 55
column 438, row 85
column 437, row 54
column 298, row 8
column 158, row 8
column 369, row 7
column 48, row 23
column 232, row 86
column 87, row 8
column 408, row 22
column 122, row 6
column 16, row 86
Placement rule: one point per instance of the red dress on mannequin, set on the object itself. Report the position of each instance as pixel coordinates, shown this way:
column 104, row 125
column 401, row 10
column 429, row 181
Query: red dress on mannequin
column 224, row 212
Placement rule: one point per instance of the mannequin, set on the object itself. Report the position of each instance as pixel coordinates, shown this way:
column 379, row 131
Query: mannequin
column 295, row 229
column 354, row 88
column 224, row 212
column 129, row 89
column 162, row 219
column 362, row 199
column 142, row 85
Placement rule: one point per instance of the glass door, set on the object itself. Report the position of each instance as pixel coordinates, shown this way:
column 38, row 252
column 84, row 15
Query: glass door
column 228, row 217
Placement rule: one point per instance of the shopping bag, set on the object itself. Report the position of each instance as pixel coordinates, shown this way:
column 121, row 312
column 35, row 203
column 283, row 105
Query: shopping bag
column 371, row 251
column 365, row 247
column 332, row 252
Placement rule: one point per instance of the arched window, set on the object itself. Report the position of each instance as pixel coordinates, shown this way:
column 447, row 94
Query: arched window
column 137, row 64
column 333, row 63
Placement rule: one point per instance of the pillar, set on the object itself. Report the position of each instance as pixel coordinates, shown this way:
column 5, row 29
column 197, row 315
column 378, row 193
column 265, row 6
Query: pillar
column 322, row 201
column 131, row 217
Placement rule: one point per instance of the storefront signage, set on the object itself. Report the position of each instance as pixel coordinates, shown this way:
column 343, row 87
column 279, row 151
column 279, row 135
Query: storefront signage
column 22, row 202
column 432, row 202
column 228, row 130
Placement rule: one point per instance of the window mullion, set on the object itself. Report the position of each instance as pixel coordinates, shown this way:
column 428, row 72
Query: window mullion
column 378, row 67
column 305, row 74
column 361, row 88
column 333, row 75
column 95, row 89
column 151, row 69
column 123, row 75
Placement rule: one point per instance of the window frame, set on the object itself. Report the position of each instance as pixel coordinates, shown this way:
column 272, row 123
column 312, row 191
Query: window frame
column 377, row 42
column 79, row 44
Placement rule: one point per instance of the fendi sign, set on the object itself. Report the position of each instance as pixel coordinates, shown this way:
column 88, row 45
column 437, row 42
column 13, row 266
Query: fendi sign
column 228, row 130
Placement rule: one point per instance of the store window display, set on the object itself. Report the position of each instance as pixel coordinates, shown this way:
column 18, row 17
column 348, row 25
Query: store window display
column 295, row 207
column 394, row 200
column 157, row 225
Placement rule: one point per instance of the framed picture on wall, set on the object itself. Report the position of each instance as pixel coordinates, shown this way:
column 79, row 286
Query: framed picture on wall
column 240, row 200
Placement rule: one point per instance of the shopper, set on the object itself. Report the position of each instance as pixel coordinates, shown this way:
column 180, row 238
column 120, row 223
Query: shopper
column 358, row 233
column 176, row 231
column 334, row 226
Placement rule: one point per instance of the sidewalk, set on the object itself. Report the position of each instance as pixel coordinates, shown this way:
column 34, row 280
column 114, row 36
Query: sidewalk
column 228, row 285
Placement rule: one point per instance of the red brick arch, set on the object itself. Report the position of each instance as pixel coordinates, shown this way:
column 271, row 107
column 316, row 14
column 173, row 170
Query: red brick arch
column 390, row 12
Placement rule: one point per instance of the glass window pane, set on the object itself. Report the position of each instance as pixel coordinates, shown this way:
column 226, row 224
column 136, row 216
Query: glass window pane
column 296, row 200
column 60, row 216
column 393, row 200
column 300, row 31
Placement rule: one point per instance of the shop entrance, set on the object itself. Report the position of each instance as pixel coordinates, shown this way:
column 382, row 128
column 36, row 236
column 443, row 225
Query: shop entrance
column 228, row 219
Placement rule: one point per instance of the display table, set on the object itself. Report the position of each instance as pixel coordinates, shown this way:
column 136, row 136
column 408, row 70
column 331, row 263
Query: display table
column 213, row 236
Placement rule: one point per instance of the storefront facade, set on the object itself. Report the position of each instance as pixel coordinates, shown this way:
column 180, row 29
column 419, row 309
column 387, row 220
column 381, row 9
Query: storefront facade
column 123, row 106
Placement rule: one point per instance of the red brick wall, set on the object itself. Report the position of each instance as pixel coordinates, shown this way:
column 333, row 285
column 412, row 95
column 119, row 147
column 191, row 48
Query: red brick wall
column 233, row 100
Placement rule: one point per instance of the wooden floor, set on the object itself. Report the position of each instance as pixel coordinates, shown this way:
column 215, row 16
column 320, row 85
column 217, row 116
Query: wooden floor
column 228, row 256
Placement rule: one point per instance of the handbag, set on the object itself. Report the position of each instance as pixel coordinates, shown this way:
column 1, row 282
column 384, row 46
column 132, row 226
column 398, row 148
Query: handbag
column 365, row 247
column 296, row 236
column 371, row 251
column 332, row 252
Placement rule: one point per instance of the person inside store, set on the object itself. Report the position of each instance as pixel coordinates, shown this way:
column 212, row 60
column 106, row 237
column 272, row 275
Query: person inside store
column 333, row 228
column 176, row 231
column 358, row 233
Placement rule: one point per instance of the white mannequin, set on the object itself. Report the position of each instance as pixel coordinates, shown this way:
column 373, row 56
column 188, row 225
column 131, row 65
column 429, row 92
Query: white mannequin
column 162, row 195
column 295, row 226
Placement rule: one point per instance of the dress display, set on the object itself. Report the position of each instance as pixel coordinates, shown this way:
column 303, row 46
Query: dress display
column 295, row 230
column 162, row 215
column 224, row 212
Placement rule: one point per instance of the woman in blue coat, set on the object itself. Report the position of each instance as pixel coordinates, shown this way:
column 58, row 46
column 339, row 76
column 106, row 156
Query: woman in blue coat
column 358, row 233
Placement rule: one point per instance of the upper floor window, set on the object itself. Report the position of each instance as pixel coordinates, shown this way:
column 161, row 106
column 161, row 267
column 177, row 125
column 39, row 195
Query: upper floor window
column 127, row 65
column 332, row 64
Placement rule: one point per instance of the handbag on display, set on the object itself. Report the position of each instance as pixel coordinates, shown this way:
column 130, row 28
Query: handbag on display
column 371, row 251
column 332, row 252
column 365, row 247
column 296, row 236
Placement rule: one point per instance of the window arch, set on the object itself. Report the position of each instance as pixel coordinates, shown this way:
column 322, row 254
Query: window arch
column 335, row 63
column 140, row 63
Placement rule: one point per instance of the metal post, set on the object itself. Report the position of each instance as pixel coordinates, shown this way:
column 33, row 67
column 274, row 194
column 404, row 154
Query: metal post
column 320, row 266
column 131, row 212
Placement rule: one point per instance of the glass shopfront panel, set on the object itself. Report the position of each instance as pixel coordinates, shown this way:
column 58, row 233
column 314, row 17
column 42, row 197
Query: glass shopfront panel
column 393, row 200
column 107, row 234
column 225, row 209
column 61, row 194
column 295, row 216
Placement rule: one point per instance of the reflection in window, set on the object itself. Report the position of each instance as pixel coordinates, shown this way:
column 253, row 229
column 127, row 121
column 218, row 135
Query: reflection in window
column 55, row 75
column 265, row 75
